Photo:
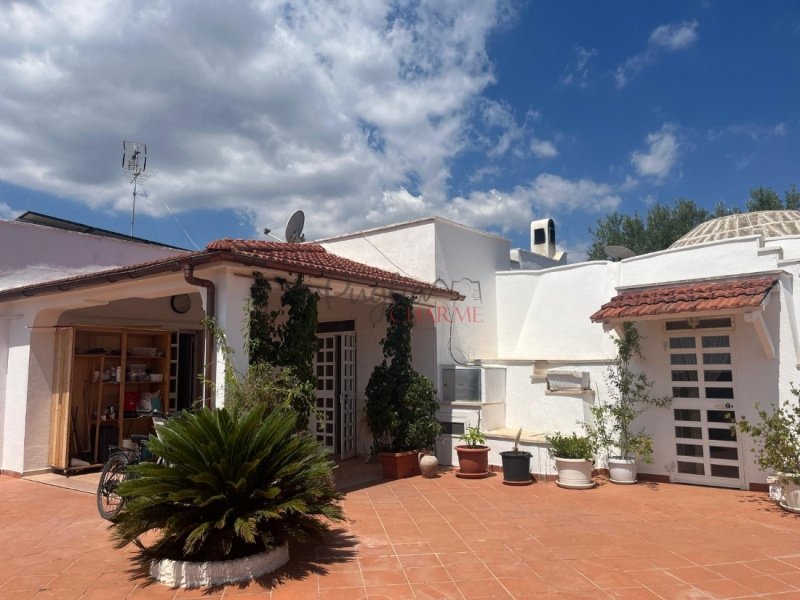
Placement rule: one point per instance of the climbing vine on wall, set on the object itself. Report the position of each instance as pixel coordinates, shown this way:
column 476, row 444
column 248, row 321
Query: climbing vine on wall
column 286, row 336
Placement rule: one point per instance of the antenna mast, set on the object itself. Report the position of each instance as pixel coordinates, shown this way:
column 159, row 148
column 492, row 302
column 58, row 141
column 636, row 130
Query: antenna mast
column 134, row 163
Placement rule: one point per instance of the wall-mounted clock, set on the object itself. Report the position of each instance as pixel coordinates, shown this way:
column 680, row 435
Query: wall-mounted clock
column 181, row 303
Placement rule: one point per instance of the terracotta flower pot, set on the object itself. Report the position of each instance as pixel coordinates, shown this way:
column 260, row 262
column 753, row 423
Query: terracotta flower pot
column 473, row 461
column 398, row 465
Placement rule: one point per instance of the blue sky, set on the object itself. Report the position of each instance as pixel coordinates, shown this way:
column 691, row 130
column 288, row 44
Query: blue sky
column 369, row 113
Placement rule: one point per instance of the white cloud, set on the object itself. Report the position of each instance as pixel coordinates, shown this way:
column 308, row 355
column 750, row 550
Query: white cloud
column 579, row 73
column 662, row 153
column 547, row 194
column 7, row 213
column 664, row 38
column 322, row 105
column 543, row 148
column 675, row 36
column 754, row 131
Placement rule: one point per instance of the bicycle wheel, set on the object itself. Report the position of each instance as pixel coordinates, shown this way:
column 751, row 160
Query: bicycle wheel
column 115, row 471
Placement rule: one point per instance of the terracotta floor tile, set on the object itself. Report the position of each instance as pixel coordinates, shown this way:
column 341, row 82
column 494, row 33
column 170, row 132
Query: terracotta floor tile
column 678, row 592
column 766, row 584
column 640, row 593
column 377, row 563
column 772, row 567
column 694, row 575
column 541, row 542
column 442, row 590
column 355, row 593
column 347, row 579
column 724, row 588
column 651, row 577
column 468, row 572
column 419, row 560
column 482, row 588
column 459, row 558
column 390, row 592
column 385, row 577
column 431, row 574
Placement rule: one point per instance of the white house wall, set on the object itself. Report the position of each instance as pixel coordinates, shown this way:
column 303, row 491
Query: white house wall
column 545, row 314
column 466, row 258
column 724, row 258
column 407, row 249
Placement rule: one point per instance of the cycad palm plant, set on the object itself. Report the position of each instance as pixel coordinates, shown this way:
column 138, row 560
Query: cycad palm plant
column 228, row 487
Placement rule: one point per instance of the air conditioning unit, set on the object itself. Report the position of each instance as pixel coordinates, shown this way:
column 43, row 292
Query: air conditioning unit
column 568, row 380
column 473, row 384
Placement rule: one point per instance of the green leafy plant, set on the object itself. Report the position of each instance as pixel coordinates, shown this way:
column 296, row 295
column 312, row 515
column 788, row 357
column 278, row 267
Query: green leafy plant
column 400, row 403
column 570, row 446
column 473, row 437
column 776, row 436
column 286, row 336
column 613, row 426
column 228, row 487
column 264, row 385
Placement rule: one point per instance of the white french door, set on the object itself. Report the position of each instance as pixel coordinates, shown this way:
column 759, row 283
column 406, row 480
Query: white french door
column 334, row 420
column 323, row 420
column 707, row 450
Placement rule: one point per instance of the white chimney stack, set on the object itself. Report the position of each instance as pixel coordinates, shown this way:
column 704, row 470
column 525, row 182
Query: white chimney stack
column 543, row 238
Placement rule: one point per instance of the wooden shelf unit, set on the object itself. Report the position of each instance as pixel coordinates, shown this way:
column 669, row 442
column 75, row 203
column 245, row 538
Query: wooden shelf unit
column 95, row 368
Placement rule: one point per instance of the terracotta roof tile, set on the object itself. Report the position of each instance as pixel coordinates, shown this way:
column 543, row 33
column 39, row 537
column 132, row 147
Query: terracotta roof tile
column 692, row 297
column 308, row 258
column 313, row 257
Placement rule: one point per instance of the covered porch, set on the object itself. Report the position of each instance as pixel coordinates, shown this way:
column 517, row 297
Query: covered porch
column 47, row 382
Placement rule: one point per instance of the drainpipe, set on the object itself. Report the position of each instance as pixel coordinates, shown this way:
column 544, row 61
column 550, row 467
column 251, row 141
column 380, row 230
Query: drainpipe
column 210, row 374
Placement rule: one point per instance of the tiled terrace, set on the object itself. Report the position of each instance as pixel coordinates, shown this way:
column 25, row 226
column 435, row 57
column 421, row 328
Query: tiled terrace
column 448, row 538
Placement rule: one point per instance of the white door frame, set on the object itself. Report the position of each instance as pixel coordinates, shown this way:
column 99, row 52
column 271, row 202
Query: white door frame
column 333, row 422
column 701, row 425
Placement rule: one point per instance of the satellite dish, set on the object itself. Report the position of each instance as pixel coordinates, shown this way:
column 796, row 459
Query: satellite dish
column 294, row 228
column 619, row 252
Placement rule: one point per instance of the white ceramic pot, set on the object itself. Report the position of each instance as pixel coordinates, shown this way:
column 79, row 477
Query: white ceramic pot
column 775, row 484
column 790, row 493
column 428, row 465
column 574, row 473
column 622, row 470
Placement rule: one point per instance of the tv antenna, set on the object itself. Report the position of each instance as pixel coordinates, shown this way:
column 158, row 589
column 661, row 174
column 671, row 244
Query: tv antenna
column 294, row 229
column 134, row 163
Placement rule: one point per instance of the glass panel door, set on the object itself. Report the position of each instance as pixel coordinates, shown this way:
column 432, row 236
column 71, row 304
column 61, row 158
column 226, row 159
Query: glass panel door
column 323, row 418
column 707, row 450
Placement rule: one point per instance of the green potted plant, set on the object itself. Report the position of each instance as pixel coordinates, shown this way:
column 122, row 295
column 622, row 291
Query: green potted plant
column 473, row 455
column 400, row 403
column 776, row 437
column 226, row 513
column 573, row 455
column 516, row 464
column 612, row 431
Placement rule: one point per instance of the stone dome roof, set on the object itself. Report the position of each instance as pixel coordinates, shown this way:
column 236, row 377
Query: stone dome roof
column 769, row 223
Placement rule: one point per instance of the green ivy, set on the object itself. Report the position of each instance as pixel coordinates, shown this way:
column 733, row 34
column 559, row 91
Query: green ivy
column 286, row 337
column 400, row 403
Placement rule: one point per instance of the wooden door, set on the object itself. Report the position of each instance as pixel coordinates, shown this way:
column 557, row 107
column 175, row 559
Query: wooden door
column 61, row 403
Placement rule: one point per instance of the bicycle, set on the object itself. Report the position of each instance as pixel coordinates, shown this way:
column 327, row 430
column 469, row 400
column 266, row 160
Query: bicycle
column 115, row 471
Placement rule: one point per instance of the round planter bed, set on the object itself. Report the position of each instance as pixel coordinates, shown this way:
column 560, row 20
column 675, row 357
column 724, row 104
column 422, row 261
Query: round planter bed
column 178, row 573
